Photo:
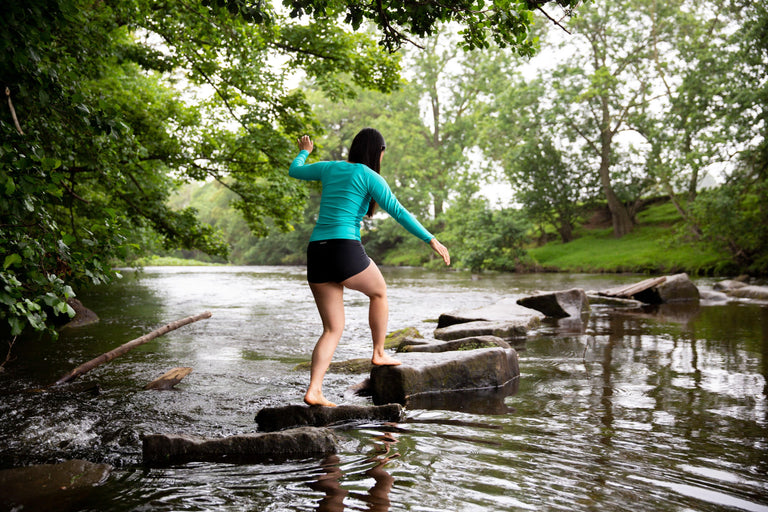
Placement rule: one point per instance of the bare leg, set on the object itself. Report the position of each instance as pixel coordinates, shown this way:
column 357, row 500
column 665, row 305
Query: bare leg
column 329, row 298
column 371, row 283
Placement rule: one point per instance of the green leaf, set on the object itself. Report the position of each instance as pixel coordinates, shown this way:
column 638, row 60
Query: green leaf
column 11, row 259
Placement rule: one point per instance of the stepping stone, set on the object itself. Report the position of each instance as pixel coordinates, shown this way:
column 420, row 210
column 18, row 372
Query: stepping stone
column 421, row 372
column 298, row 443
column 559, row 304
column 750, row 292
column 471, row 343
column 506, row 311
column 500, row 329
column 271, row 419
column 658, row 290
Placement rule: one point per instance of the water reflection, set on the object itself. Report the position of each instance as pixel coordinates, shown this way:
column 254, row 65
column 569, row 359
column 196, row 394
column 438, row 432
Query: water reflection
column 377, row 496
column 479, row 401
column 655, row 409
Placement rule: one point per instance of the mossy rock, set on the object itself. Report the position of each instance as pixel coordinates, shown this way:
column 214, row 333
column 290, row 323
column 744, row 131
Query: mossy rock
column 351, row 366
column 395, row 338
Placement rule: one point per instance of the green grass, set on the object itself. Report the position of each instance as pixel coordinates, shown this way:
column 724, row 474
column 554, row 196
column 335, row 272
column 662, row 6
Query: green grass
column 170, row 261
column 651, row 247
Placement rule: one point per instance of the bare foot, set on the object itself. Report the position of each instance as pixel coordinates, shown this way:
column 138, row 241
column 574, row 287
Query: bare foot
column 317, row 399
column 385, row 360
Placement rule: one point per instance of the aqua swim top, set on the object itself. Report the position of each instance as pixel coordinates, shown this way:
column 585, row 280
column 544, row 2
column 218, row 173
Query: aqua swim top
column 347, row 191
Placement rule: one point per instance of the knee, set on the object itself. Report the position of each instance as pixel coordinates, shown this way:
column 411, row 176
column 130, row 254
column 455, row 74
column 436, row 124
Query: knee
column 378, row 293
column 333, row 330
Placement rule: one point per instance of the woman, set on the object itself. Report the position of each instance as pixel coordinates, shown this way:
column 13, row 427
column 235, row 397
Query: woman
column 336, row 258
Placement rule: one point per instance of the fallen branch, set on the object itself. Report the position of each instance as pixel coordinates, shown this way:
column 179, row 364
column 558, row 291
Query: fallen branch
column 13, row 111
column 122, row 349
column 169, row 378
column 633, row 289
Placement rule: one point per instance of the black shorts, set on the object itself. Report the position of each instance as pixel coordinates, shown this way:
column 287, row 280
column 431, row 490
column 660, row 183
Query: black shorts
column 335, row 260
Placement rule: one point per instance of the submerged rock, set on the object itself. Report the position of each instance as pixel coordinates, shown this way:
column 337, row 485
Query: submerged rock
column 559, row 304
column 83, row 315
column 352, row 366
column 485, row 368
column 278, row 418
column 50, row 486
column 506, row 310
column 298, row 443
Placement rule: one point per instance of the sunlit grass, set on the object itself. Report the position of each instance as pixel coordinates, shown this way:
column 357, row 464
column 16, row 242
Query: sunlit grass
column 653, row 246
column 170, row 261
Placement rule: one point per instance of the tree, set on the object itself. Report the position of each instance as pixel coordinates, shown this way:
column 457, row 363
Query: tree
column 734, row 217
column 549, row 179
column 610, row 82
column 98, row 137
column 504, row 22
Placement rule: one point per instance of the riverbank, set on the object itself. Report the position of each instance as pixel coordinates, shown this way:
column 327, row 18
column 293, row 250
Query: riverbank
column 656, row 245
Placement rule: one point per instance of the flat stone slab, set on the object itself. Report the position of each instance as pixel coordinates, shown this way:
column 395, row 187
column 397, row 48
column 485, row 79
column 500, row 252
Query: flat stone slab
column 506, row 310
column 499, row 329
column 421, row 372
column 728, row 284
column 749, row 292
column 298, row 443
column 50, row 486
column 271, row 419
column 471, row 343
column 558, row 304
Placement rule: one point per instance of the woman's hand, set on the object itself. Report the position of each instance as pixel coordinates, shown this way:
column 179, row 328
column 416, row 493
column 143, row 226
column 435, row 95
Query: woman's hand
column 305, row 143
column 441, row 250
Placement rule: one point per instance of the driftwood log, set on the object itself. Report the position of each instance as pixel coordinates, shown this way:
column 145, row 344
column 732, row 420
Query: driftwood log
column 628, row 291
column 169, row 378
column 122, row 349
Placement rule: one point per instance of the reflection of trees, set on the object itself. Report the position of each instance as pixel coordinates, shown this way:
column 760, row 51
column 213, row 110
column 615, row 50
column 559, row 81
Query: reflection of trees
column 705, row 373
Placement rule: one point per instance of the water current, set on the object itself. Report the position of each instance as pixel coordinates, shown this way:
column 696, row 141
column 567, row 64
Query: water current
column 662, row 409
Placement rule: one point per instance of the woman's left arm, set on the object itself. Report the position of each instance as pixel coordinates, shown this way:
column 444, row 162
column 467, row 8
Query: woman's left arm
column 384, row 197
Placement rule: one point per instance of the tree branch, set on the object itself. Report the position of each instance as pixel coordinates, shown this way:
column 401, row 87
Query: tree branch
column 13, row 111
column 553, row 20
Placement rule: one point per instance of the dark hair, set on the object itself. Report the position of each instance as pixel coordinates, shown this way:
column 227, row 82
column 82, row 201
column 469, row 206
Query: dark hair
column 366, row 148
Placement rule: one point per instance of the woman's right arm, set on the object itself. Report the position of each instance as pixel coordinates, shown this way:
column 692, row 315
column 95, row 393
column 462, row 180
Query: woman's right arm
column 298, row 169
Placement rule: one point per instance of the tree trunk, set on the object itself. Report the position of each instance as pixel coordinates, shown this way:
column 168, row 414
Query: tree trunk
column 565, row 229
column 122, row 349
column 620, row 217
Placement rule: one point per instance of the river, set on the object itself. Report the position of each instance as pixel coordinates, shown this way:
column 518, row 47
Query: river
column 659, row 410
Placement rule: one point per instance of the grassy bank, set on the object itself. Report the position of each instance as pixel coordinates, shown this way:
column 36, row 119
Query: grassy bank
column 170, row 261
column 654, row 246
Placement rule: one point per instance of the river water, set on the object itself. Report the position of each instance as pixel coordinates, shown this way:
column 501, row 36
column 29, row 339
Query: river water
column 663, row 410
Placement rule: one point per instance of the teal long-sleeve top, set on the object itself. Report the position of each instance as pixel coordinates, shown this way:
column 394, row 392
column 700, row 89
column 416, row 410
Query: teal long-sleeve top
column 347, row 192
